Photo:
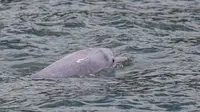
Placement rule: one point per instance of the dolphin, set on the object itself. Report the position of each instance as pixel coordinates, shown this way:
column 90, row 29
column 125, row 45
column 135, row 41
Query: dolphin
column 81, row 63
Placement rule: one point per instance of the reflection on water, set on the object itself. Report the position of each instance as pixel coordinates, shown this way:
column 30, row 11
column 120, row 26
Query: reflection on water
column 161, row 38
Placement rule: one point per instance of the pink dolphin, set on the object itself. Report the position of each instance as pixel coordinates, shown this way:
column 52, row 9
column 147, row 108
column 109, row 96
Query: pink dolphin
column 81, row 63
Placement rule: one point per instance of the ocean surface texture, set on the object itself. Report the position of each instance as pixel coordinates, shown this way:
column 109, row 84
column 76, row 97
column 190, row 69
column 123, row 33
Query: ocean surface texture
column 161, row 38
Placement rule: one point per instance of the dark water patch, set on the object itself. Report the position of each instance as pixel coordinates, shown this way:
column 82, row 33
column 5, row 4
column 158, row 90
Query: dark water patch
column 143, row 50
column 75, row 24
column 1, row 26
column 193, row 41
column 61, row 2
column 105, row 99
column 66, row 103
column 123, row 106
column 14, row 44
column 49, row 23
column 44, row 32
column 9, row 1
column 121, row 24
column 167, row 26
column 26, row 71
column 3, row 42
column 172, row 106
column 124, row 37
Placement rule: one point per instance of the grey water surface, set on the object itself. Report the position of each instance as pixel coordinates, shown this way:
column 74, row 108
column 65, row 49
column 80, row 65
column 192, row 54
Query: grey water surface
column 160, row 37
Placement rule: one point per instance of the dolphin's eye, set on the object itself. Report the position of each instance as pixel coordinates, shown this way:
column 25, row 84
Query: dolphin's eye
column 113, row 60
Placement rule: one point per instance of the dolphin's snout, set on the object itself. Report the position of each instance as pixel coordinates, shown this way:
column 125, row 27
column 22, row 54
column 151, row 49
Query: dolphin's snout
column 120, row 59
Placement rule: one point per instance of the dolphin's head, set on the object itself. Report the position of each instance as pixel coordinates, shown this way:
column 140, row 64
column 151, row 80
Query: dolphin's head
column 109, row 58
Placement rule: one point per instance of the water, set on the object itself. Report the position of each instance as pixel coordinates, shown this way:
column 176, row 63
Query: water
column 161, row 38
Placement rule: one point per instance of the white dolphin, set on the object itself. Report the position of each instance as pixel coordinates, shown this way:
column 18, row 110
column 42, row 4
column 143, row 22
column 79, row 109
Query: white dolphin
column 81, row 63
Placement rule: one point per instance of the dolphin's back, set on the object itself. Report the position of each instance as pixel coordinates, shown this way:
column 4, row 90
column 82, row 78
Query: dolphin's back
column 80, row 63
